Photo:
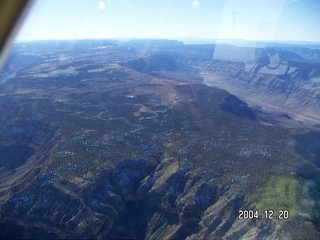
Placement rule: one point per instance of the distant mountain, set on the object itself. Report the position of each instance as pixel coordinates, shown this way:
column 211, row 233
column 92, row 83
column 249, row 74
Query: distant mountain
column 148, row 44
column 152, row 63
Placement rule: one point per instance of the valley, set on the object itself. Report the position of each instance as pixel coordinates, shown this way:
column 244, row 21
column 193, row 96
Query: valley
column 113, row 140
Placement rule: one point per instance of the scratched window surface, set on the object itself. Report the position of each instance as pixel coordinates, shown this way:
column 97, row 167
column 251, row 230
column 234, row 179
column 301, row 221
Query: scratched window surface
column 162, row 119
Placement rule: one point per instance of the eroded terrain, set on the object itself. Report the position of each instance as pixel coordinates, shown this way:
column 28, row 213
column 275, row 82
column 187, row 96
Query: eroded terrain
column 102, row 142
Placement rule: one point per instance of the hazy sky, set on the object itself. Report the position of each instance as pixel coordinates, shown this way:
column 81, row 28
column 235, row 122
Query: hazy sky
column 174, row 19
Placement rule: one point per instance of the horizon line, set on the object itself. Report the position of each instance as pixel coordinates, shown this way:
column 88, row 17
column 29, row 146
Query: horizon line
column 181, row 39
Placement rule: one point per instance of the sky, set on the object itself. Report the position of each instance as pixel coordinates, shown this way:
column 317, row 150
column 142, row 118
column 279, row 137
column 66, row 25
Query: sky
column 283, row 20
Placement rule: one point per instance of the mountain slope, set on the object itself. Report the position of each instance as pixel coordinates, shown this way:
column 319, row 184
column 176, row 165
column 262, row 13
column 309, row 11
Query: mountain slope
column 119, row 153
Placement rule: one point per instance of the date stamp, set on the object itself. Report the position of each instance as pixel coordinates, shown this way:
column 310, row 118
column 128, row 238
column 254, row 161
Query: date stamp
column 266, row 214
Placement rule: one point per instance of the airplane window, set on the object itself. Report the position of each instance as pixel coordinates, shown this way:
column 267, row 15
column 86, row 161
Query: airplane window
column 131, row 119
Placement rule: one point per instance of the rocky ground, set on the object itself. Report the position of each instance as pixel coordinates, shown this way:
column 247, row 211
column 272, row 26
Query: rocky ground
column 93, row 146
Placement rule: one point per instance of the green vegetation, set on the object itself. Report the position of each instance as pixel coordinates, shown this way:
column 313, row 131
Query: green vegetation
column 280, row 193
